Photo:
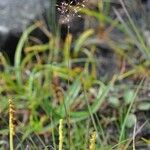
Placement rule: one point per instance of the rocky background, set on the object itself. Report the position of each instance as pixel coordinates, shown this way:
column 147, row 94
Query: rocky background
column 15, row 17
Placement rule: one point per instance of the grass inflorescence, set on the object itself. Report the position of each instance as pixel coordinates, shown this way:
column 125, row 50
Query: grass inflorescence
column 11, row 124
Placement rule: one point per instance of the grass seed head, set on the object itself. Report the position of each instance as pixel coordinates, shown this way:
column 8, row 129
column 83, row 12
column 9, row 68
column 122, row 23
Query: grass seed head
column 61, row 138
column 69, row 10
column 93, row 141
column 11, row 117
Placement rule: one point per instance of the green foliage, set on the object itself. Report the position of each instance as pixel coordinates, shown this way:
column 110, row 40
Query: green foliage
column 114, row 102
column 144, row 106
column 57, row 80
column 128, row 96
column 131, row 121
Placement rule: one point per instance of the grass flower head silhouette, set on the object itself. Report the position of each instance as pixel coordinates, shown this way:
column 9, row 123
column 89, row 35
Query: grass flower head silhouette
column 69, row 10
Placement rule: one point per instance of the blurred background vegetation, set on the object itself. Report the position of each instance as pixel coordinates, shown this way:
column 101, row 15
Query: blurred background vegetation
column 92, row 71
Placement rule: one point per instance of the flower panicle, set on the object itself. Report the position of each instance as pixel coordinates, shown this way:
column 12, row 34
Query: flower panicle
column 68, row 10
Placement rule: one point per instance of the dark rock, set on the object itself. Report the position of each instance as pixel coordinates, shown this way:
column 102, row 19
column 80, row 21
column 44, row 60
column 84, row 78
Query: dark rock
column 15, row 16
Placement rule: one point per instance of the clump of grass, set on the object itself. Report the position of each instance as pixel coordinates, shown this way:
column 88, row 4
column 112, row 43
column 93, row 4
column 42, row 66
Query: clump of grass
column 54, row 74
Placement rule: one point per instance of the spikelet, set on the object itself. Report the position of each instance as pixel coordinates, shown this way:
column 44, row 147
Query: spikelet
column 61, row 138
column 11, row 117
column 93, row 141
column 11, row 123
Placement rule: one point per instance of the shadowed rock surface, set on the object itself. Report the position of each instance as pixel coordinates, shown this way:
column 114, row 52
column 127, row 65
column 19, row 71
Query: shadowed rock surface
column 15, row 16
